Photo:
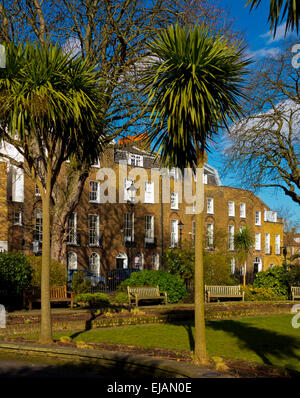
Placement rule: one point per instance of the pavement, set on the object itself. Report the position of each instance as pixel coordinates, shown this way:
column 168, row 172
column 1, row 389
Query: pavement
column 29, row 360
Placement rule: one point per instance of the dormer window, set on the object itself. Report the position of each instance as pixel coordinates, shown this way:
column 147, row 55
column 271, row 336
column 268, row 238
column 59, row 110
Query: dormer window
column 135, row 160
column 270, row 216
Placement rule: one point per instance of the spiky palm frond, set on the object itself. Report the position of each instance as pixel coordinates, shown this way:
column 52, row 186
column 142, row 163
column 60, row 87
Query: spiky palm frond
column 193, row 86
column 50, row 91
column 289, row 8
column 243, row 242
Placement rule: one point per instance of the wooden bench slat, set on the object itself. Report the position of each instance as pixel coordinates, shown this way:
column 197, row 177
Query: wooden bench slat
column 57, row 293
column 137, row 293
column 295, row 290
column 223, row 291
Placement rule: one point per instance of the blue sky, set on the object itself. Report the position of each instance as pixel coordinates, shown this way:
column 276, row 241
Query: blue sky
column 260, row 43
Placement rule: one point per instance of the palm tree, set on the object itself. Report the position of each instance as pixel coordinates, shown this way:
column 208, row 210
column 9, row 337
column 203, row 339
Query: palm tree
column 243, row 243
column 193, row 85
column 49, row 112
column 291, row 8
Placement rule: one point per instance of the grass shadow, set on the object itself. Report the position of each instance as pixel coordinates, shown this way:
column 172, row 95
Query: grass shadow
column 263, row 342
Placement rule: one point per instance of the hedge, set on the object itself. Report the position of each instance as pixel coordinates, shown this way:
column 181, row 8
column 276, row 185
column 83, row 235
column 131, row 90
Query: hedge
column 172, row 284
column 15, row 273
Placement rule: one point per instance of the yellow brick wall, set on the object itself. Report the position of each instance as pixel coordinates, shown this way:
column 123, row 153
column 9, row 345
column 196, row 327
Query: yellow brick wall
column 112, row 220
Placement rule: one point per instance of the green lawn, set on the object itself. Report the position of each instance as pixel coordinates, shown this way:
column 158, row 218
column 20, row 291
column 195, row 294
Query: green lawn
column 269, row 340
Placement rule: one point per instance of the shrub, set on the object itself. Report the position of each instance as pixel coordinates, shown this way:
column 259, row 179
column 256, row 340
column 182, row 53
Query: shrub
column 58, row 271
column 80, row 284
column 93, row 299
column 276, row 278
column 293, row 275
column 260, row 294
column 121, row 298
column 180, row 262
column 172, row 284
column 217, row 269
column 15, row 272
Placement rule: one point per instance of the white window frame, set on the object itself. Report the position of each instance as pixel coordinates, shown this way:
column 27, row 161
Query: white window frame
column 128, row 227
column 232, row 265
column 270, row 215
column 267, row 243
column 149, row 228
column 17, row 184
column 209, row 235
column 18, row 219
column 277, row 244
column 174, row 233
column 94, row 194
column 139, row 261
column 94, row 229
column 231, row 208
column 174, row 200
column 155, row 261
column 257, row 217
column 72, row 230
column 257, row 241
column 230, row 237
column 93, row 264
column 242, row 210
column 135, row 160
column 38, row 233
column 72, row 262
column 127, row 184
column 149, row 192
column 210, row 205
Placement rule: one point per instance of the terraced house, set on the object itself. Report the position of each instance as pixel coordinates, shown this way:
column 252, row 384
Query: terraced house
column 131, row 211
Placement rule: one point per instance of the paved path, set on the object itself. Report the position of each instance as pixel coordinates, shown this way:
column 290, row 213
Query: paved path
column 20, row 367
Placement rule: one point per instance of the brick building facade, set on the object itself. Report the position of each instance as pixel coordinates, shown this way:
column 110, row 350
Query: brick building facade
column 104, row 236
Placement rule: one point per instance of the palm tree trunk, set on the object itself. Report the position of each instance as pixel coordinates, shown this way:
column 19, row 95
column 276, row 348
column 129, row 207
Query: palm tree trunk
column 200, row 354
column 244, row 276
column 46, row 325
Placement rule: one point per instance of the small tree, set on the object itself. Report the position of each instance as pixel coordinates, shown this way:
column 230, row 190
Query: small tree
column 49, row 111
column 243, row 243
column 193, row 88
column 58, row 271
column 180, row 262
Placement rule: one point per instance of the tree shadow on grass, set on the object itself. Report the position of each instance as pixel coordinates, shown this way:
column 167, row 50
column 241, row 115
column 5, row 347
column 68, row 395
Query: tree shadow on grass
column 88, row 324
column 263, row 342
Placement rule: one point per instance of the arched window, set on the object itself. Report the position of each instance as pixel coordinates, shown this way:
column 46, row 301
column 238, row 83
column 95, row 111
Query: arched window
column 95, row 263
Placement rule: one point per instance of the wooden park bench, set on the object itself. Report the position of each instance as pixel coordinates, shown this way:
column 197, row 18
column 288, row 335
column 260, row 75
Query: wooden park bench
column 295, row 292
column 57, row 294
column 223, row 292
column 137, row 293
